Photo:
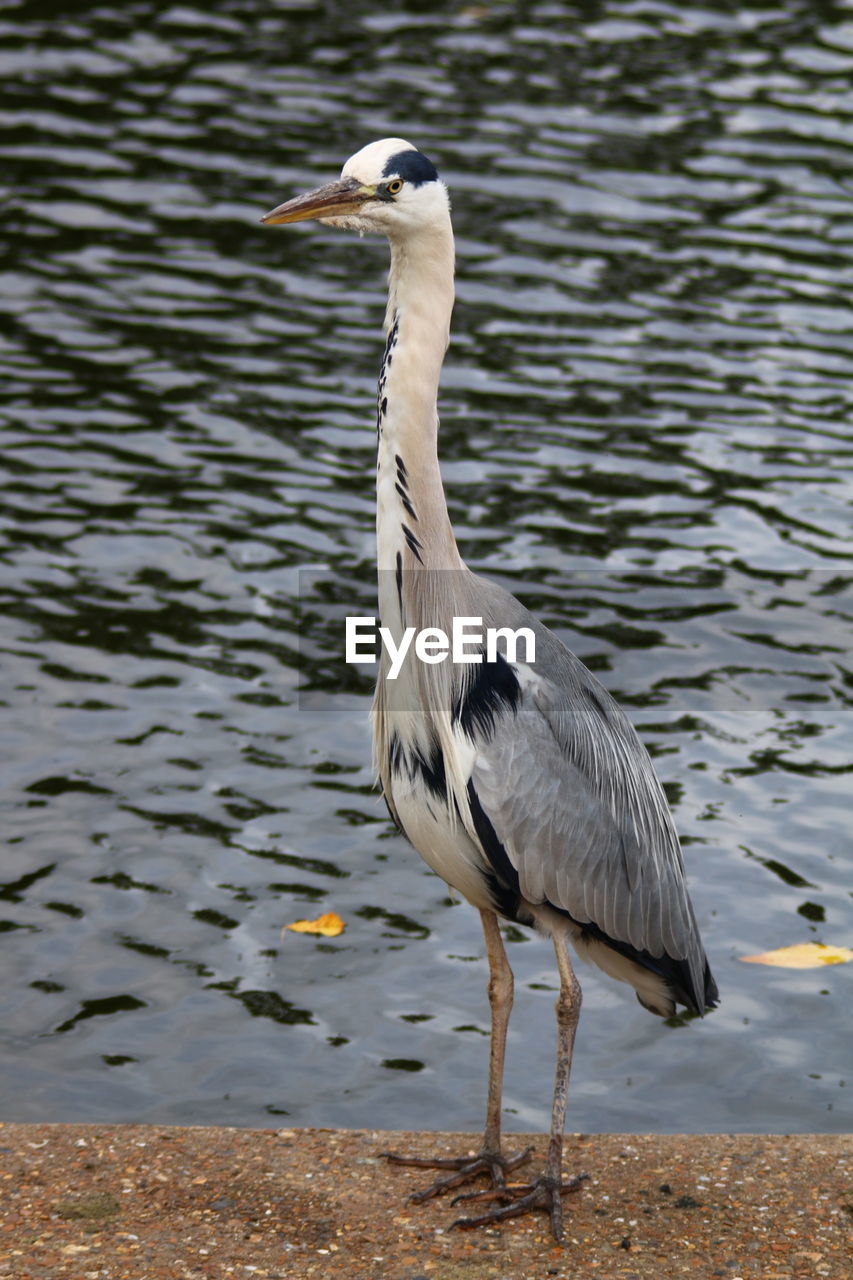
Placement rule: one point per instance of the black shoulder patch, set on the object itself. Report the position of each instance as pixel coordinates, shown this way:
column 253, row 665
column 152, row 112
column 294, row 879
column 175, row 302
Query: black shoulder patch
column 502, row 878
column 493, row 688
column 430, row 767
column 431, row 770
column 411, row 166
column 395, row 751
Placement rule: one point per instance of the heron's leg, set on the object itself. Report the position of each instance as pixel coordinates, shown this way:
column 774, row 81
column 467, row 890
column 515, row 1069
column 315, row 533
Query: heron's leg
column 548, row 1189
column 501, row 988
column 489, row 1160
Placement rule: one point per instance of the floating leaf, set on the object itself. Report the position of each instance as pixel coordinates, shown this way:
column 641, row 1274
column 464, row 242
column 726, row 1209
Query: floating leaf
column 805, row 955
column 329, row 925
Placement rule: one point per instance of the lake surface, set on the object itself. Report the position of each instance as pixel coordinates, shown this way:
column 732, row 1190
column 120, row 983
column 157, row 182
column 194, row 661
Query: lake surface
column 646, row 434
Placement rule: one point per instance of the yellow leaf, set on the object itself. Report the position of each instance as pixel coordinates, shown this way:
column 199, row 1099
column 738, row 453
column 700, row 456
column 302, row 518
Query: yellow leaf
column 805, row 955
column 328, row 925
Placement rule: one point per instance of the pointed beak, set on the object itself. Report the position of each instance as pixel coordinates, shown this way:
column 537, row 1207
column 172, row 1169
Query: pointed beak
column 335, row 200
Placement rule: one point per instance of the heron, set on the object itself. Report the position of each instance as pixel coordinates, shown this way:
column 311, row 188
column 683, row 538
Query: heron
column 521, row 782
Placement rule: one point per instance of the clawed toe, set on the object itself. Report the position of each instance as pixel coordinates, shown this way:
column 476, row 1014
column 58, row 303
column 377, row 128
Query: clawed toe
column 503, row 1193
column 544, row 1193
column 465, row 1169
column 513, row 1200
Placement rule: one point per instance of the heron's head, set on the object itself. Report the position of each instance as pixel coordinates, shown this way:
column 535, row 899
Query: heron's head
column 389, row 186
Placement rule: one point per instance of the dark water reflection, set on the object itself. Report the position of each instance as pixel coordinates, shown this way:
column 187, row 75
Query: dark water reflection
column 646, row 435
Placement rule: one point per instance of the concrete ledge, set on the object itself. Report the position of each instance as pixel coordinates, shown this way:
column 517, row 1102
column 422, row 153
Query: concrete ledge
column 140, row 1202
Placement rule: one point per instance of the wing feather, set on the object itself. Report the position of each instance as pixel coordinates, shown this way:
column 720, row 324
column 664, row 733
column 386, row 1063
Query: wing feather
column 573, row 798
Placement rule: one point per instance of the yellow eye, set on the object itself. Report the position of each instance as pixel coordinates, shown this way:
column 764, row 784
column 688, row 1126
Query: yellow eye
column 394, row 186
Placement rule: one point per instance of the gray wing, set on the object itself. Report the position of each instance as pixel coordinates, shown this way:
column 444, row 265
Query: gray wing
column 572, row 797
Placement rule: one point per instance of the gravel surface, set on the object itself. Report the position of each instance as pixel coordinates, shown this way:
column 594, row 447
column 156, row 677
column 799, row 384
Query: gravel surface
column 141, row 1202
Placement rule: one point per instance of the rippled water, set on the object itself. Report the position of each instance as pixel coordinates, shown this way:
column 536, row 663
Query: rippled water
column 646, row 434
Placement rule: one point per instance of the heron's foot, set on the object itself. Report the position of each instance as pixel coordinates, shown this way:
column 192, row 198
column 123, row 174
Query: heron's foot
column 545, row 1193
column 465, row 1169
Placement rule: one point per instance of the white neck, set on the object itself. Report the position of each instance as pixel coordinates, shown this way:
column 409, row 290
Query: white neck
column 412, row 525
